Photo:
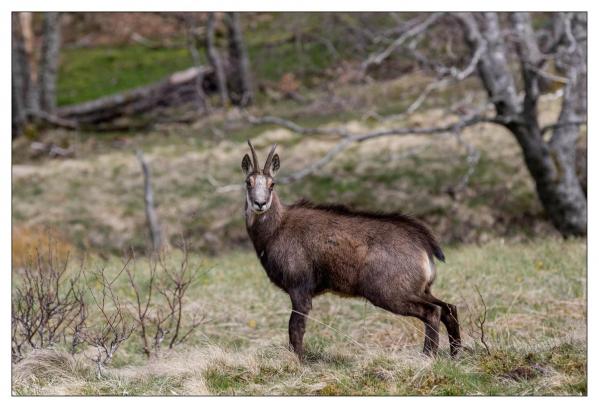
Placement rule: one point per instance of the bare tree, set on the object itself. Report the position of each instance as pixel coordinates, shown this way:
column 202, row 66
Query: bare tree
column 34, row 72
column 49, row 58
column 216, row 61
column 240, row 80
column 551, row 162
column 192, row 46
column 27, row 33
column 20, row 76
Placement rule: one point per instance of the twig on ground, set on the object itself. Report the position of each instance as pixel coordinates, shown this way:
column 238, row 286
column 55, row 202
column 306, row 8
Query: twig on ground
column 481, row 320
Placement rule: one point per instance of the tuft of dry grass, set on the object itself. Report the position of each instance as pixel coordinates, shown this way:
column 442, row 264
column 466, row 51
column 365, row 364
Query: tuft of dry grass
column 51, row 372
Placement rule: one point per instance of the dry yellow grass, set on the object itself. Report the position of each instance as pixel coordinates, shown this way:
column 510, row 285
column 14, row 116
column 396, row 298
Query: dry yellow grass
column 25, row 240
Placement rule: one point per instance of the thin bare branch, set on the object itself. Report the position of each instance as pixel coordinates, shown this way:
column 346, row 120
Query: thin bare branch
column 377, row 59
column 349, row 139
column 558, row 125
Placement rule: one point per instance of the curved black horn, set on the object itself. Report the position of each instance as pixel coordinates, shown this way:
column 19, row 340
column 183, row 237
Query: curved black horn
column 254, row 156
column 269, row 159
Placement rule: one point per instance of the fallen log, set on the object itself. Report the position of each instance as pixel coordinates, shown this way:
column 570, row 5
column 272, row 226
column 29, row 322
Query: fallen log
column 176, row 89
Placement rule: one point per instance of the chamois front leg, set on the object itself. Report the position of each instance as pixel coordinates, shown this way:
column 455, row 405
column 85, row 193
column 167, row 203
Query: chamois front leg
column 301, row 303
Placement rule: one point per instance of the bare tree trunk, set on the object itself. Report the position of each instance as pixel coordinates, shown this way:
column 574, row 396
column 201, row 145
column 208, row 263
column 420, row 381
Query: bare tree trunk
column 20, row 77
column 49, row 57
column 151, row 216
column 192, row 46
column 216, row 61
column 240, row 81
column 566, row 134
column 552, row 165
column 33, row 85
column 32, row 91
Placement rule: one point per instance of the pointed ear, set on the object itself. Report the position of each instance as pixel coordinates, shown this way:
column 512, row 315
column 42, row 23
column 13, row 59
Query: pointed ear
column 246, row 165
column 275, row 164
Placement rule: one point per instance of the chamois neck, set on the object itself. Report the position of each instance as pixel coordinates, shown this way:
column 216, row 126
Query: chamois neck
column 261, row 227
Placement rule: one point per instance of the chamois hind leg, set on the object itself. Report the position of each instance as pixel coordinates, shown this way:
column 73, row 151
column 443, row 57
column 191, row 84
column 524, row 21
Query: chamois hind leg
column 301, row 304
column 430, row 314
column 449, row 317
column 427, row 312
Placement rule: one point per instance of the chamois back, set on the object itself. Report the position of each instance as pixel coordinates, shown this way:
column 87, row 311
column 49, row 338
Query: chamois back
column 417, row 230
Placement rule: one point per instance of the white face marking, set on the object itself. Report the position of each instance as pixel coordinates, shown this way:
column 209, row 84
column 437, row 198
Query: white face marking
column 261, row 197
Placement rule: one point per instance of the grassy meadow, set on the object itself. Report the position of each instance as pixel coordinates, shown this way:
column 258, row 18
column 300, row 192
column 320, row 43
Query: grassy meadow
column 535, row 329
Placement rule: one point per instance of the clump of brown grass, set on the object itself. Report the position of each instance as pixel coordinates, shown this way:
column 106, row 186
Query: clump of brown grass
column 46, row 367
column 26, row 239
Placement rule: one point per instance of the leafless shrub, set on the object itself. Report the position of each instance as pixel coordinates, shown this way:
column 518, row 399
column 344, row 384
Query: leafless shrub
column 481, row 320
column 166, row 321
column 52, row 305
column 47, row 302
column 115, row 326
column 476, row 322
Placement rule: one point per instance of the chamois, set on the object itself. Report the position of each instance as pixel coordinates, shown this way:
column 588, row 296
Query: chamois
column 309, row 249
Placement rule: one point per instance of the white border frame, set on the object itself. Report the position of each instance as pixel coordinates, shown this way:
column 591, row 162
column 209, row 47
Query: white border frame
column 304, row 5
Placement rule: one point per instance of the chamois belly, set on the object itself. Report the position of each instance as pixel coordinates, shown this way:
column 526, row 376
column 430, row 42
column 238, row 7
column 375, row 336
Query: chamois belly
column 341, row 262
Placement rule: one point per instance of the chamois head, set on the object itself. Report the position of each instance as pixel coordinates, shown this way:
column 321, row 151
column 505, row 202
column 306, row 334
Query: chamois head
column 259, row 183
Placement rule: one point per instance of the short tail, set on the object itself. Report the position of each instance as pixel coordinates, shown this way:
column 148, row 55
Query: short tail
column 438, row 252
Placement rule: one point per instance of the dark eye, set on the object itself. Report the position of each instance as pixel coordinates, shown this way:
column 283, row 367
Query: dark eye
column 272, row 185
column 249, row 184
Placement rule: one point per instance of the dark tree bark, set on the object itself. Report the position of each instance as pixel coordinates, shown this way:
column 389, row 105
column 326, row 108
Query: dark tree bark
column 240, row 80
column 19, row 77
column 32, row 102
column 49, row 59
column 33, row 76
column 551, row 164
column 192, row 46
column 216, row 61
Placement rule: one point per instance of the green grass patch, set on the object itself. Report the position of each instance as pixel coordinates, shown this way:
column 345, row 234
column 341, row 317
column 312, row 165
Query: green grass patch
column 90, row 73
